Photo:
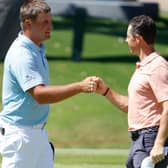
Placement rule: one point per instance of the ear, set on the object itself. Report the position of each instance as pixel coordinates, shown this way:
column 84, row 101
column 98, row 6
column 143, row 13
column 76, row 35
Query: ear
column 27, row 22
column 138, row 38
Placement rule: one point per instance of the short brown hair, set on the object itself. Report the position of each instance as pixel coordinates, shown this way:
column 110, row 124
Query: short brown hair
column 144, row 26
column 31, row 9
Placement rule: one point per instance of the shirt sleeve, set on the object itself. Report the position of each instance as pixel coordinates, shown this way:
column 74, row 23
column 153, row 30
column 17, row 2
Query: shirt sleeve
column 159, row 83
column 26, row 71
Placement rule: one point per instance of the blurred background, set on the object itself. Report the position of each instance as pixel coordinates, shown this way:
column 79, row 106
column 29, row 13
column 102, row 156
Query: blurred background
column 88, row 38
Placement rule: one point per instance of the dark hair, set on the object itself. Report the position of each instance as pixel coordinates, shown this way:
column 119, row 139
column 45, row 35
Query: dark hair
column 144, row 26
column 31, row 9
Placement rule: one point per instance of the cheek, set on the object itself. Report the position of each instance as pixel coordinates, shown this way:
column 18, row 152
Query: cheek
column 132, row 43
column 129, row 42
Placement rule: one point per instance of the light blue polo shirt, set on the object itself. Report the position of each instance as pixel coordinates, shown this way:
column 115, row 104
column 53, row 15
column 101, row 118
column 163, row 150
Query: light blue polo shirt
column 25, row 66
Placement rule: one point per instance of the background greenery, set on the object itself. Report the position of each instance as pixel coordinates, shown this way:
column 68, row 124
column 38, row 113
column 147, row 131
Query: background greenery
column 89, row 120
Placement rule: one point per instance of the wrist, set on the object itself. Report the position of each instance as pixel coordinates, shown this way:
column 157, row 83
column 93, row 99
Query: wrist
column 159, row 144
column 79, row 87
column 106, row 91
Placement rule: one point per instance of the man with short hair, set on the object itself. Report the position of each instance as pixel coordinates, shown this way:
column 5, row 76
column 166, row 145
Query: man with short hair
column 147, row 100
column 27, row 94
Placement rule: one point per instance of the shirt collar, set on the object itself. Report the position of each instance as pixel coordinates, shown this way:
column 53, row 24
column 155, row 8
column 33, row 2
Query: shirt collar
column 147, row 60
column 30, row 43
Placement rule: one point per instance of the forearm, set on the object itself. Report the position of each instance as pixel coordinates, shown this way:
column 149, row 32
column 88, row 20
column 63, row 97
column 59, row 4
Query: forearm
column 157, row 152
column 163, row 129
column 118, row 100
column 53, row 94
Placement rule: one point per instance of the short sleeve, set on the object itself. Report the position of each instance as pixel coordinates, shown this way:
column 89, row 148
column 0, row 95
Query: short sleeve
column 26, row 70
column 159, row 83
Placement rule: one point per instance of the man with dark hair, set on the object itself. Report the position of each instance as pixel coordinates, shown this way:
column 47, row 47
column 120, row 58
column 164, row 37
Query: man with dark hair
column 147, row 100
column 145, row 27
column 27, row 94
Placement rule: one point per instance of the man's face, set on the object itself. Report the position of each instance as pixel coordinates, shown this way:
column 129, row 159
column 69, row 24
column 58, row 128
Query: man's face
column 131, row 41
column 41, row 27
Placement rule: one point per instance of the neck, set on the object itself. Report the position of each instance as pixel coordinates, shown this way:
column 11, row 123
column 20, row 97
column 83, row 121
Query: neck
column 146, row 51
column 30, row 36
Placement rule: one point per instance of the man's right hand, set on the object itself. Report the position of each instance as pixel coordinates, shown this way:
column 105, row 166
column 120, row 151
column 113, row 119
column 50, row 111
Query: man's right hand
column 101, row 86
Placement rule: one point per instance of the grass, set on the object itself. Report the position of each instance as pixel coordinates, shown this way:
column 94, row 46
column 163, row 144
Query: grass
column 86, row 158
column 88, row 120
column 83, row 159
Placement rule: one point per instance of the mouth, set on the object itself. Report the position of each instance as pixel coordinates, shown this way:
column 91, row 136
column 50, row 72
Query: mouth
column 47, row 33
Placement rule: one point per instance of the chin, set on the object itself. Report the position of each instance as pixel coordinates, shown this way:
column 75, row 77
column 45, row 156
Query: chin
column 47, row 37
column 132, row 51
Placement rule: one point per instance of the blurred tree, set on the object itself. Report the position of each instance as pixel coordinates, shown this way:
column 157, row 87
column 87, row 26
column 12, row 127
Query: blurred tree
column 9, row 25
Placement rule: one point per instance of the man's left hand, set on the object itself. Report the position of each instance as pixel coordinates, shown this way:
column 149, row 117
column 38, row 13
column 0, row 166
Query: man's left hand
column 157, row 153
